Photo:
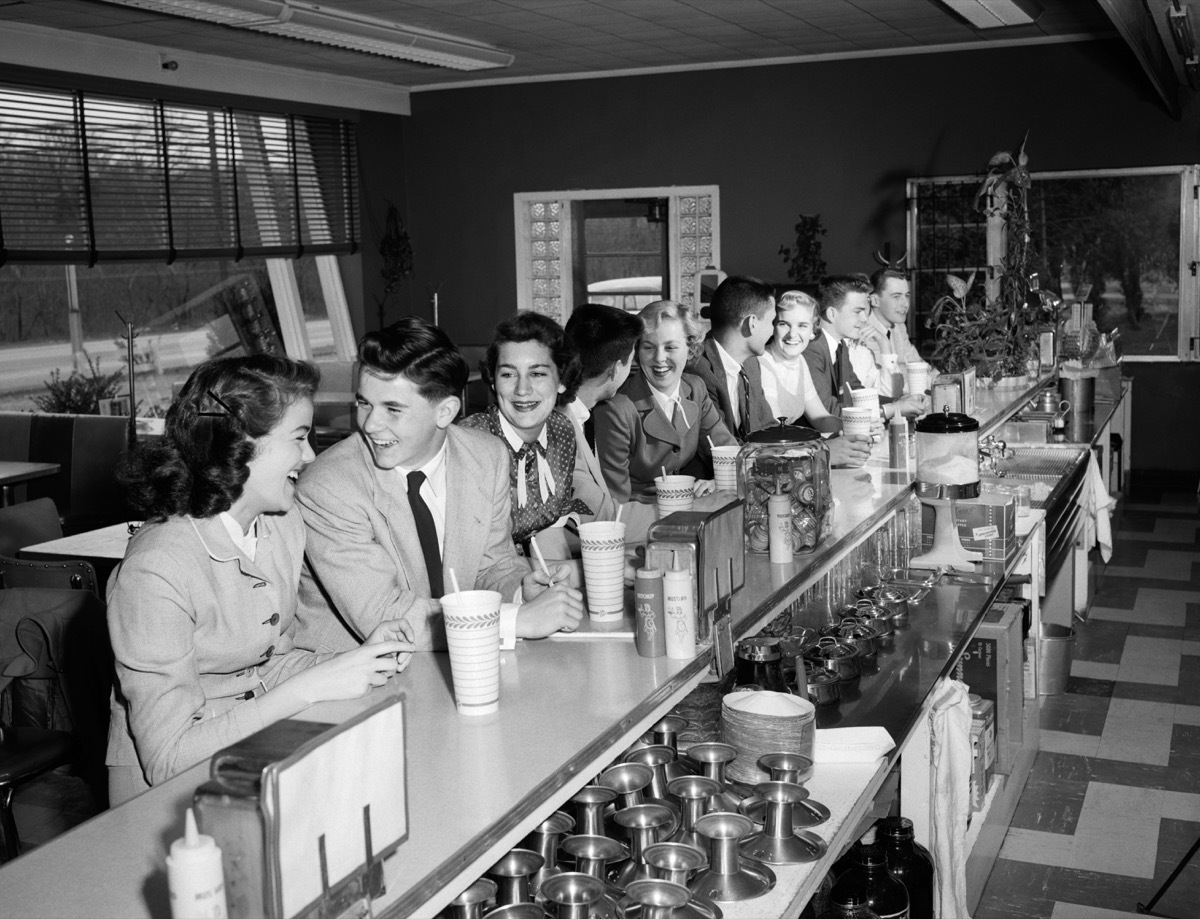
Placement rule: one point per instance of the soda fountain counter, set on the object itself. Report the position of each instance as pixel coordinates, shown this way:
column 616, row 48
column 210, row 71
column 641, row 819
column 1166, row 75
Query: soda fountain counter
column 477, row 786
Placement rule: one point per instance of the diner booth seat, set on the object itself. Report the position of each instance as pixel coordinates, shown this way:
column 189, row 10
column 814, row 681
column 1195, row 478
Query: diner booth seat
column 87, row 449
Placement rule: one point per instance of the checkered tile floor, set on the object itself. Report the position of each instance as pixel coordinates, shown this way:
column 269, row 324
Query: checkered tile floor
column 1113, row 801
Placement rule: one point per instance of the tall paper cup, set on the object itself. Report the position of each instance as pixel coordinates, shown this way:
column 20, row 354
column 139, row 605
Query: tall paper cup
column 674, row 493
column 917, row 376
column 473, row 636
column 603, row 547
column 679, row 612
column 867, row 397
column 725, row 467
column 858, row 420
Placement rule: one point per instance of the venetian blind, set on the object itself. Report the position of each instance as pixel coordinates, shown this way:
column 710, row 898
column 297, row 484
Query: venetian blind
column 87, row 178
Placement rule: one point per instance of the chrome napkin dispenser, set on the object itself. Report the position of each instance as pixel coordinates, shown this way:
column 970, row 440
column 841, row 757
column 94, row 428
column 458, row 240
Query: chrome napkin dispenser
column 716, row 543
column 304, row 815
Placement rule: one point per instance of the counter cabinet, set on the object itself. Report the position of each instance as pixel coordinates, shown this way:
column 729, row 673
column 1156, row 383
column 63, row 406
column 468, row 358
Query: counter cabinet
column 569, row 708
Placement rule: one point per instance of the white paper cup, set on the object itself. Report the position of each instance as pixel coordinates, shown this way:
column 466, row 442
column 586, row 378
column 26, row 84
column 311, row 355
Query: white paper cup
column 866, row 398
column 602, row 544
column 674, row 493
column 472, row 620
column 858, row 420
column 725, row 467
column 917, row 377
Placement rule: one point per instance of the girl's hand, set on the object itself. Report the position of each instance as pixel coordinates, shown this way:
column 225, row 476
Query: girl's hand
column 704, row 487
column 394, row 630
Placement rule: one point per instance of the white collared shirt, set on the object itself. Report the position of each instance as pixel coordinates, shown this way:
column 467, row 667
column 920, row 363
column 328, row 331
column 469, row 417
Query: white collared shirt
column 247, row 542
column 516, row 442
column 668, row 402
column 733, row 384
column 433, row 490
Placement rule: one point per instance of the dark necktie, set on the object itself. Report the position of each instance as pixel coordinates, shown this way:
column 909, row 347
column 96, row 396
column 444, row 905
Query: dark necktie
column 840, row 364
column 743, row 405
column 589, row 433
column 427, row 533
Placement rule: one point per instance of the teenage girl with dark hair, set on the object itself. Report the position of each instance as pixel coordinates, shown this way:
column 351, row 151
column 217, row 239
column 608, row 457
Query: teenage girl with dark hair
column 530, row 366
column 201, row 611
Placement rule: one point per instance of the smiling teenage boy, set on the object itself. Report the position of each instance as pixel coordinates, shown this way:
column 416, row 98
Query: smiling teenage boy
column 391, row 510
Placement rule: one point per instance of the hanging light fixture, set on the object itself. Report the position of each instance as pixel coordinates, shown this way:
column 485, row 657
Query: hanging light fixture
column 996, row 14
column 322, row 24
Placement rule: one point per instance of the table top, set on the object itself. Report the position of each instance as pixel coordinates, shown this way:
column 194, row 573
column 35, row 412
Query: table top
column 107, row 542
column 12, row 471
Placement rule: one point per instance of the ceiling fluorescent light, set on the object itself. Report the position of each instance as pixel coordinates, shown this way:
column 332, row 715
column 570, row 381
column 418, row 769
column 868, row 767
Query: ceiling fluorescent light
column 318, row 23
column 996, row 14
column 1180, row 20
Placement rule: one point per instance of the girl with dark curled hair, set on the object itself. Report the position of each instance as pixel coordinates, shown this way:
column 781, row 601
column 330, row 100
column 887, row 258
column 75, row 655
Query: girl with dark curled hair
column 530, row 367
column 202, row 609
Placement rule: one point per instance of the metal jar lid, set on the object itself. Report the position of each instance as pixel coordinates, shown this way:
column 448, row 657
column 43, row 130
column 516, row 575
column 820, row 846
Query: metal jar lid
column 764, row 648
column 946, row 422
column 784, row 434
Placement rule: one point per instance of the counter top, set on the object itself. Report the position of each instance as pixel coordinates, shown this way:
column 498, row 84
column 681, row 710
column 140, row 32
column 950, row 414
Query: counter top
column 476, row 786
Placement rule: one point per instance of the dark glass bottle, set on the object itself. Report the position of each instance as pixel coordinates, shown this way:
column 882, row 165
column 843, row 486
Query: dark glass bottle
column 908, row 862
column 869, row 879
column 852, row 906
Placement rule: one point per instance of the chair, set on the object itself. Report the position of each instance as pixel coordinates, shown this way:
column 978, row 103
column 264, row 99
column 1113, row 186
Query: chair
column 25, row 753
column 27, row 524
column 71, row 574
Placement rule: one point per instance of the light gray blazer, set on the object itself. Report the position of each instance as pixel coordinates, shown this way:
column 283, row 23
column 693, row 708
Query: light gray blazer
column 363, row 558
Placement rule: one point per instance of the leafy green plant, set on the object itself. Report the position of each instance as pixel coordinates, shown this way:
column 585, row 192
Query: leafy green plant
column 78, row 394
column 994, row 330
column 804, row 260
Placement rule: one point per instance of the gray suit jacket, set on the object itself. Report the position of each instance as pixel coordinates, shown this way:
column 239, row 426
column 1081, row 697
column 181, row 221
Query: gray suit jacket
column 364, row 558
column 709, row 367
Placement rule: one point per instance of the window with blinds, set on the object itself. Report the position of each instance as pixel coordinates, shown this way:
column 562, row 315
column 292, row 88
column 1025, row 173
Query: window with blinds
column 87, row 178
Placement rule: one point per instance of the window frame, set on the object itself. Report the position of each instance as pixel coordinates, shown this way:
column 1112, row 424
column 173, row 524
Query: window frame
column 1188, row 343
column 683, row 287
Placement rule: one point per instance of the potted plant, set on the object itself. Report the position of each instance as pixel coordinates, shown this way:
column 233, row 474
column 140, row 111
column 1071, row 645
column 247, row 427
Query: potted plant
column 994, row 327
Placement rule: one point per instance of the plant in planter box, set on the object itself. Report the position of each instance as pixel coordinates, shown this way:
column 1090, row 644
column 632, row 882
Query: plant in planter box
column 804, row 259
column 995, row 328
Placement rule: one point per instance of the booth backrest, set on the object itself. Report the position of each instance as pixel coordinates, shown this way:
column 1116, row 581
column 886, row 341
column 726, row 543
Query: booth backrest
column 87, row 447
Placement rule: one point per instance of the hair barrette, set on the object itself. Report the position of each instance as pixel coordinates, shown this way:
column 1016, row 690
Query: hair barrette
column 227, row 411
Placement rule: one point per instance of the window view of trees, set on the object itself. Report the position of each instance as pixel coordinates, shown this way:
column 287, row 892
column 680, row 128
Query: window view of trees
column 1113, row 242
column 1110, row 240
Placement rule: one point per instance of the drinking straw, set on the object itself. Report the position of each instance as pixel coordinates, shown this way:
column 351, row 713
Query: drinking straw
column 538, row 552
column 711, row 445
column 664, row 471
column 454, row 581
column 617, row 519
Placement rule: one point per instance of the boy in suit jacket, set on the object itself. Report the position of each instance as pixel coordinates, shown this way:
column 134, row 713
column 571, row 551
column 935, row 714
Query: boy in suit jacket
column 844, row 310
column 390, row 510
column 743, row 315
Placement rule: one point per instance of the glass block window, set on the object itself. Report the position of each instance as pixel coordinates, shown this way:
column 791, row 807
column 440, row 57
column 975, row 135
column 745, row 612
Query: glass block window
column 695, row 241
column 545, row 251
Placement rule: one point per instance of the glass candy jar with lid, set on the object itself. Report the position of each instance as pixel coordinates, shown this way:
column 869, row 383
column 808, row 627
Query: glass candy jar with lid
column 947, row 456
column 792, row 461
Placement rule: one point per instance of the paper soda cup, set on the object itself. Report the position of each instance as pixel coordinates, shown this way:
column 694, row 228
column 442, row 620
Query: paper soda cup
column 725, row 467
column 603, row 548
column 472, row 620
column 674, row 493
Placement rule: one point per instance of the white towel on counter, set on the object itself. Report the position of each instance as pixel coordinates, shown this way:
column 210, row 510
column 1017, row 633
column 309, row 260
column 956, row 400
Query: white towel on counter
column 950, row 728
column 1097, row 503
column 851, row 745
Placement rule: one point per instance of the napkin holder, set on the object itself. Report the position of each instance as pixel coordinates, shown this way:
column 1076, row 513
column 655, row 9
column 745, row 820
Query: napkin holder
column 305, row 812
column 716, row 543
